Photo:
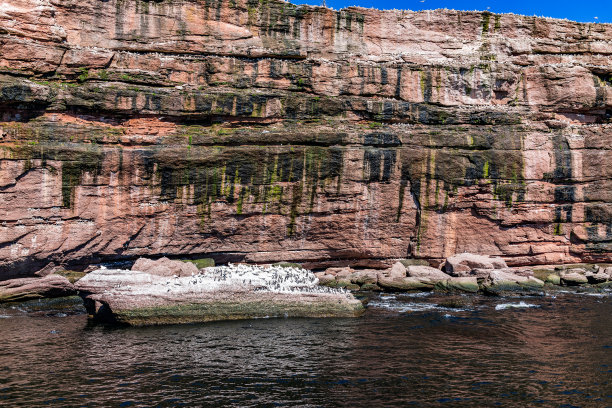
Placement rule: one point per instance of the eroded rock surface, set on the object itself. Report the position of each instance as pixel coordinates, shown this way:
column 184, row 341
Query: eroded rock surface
column 265, row 131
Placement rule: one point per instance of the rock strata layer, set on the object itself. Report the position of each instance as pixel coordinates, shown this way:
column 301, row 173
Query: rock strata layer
column 221, row 293
column 265, row 131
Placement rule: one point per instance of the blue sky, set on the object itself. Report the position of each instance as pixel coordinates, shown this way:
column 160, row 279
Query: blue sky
column 585, row 10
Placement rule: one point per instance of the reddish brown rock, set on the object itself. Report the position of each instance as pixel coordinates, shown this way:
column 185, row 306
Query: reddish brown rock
column 398, row 270
column 50, row 286
column 276, row 132
column 165, row 267
column 340, row 272
column 573, row 277
column 324, row 278
column 426, row 272
column 362, row 277
column 464, row 264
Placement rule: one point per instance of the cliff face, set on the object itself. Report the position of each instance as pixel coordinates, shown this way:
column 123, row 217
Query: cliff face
column 264, row 131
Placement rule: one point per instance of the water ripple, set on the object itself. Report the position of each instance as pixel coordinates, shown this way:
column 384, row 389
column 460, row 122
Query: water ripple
column 405, row 351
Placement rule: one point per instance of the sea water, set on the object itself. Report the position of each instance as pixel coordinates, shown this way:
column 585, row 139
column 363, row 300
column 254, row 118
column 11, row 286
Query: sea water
column 550, row 351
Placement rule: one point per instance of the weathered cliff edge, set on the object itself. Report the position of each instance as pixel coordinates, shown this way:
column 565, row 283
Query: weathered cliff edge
column 264, row 131
column 222, row 293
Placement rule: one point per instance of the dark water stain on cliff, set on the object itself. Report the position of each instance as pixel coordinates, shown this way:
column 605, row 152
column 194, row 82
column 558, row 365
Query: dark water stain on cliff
column 562, row 175
column 259, row 176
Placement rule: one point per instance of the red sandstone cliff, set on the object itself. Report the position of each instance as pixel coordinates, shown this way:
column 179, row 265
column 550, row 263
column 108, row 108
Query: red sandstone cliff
column 263, row 131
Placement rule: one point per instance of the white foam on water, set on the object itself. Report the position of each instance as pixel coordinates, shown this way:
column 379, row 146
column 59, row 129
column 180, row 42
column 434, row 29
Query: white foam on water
column 606, row 293
column 417, row 294
column 403, row 307
column 504, row 306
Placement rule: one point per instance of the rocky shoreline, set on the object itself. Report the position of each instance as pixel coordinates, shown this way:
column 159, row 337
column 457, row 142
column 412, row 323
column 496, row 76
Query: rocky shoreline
column 168, row 291
column 470, row 273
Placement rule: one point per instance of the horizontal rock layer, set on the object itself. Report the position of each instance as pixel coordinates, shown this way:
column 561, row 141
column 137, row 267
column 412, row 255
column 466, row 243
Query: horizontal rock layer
column 23, row 289
column 265, row 131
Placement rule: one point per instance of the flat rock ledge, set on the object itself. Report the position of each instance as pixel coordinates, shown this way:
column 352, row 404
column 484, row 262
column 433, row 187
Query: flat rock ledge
column 23, row 289
column 231, row 292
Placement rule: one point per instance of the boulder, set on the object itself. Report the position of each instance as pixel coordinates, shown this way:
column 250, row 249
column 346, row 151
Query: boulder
column 342, row 282
column 165, row 267
column 398, row 270
column 426, row 272
column 49, row 286
column 595, row 278
column 497, row 277
column 402, row 284
column 608, row 271
column 223, row 293
column 542, row 273
column 501, row 282
column 339, row 272
column 462, row 264
column 573, row 277
column 553, row 279
column 324, row 278
column 364, row 276
column 458, row 284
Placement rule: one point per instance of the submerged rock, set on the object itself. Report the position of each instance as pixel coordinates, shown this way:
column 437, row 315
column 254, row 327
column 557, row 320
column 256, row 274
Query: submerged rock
column 222, row 293
column 50, row 286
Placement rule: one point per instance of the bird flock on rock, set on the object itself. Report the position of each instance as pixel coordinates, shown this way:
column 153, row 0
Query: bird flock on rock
column 257, row 278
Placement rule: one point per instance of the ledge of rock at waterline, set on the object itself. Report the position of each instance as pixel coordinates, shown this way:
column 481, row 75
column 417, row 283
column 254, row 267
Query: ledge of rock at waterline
column 217, row 293
column 266, row 131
